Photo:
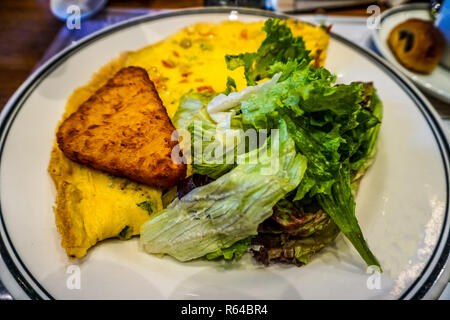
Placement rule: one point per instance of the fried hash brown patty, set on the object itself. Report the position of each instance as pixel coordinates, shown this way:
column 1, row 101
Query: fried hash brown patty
column 124, row 129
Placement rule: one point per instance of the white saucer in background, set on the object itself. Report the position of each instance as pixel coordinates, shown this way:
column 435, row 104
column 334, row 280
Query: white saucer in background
column 436, row 83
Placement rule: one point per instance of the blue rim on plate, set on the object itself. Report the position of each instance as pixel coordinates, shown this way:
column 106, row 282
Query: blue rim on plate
column 35, row 290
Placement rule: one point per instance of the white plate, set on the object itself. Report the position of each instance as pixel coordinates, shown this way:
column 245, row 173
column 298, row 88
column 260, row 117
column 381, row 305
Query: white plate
column 402, row 205
column 436, row 83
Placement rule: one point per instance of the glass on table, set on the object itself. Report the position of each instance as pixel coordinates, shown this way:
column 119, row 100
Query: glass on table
column 86, row 8
column 260, row 4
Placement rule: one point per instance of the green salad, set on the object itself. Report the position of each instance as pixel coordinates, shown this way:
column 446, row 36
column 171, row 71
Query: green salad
column 290, row 194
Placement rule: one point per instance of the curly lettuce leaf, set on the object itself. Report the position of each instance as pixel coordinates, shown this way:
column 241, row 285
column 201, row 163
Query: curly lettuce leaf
column 333, row 126
column 340, row 206
column 360, row 159
column 231, row 86
column 278, row 46
column 223, row 107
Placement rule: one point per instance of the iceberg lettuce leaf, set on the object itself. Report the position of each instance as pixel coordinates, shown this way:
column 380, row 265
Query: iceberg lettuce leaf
column 214, row 149
column 229, row 209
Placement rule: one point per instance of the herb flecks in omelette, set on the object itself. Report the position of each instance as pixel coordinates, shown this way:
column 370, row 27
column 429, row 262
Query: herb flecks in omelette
column 147, row 206
column 126, row 233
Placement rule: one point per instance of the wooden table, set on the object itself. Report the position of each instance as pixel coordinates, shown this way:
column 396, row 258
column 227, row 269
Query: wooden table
column 27, row 28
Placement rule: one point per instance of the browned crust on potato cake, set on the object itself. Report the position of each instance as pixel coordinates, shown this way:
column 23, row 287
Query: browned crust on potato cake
column 124, row 129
